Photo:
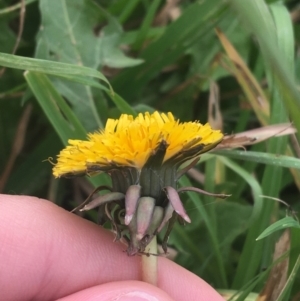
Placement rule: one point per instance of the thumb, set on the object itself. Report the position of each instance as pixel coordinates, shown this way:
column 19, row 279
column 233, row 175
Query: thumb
column 121, row 291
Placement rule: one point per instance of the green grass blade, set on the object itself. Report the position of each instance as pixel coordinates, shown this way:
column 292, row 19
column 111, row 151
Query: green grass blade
column 285, row 293
column 255, row 187
column 222, row 280
column 123, row 8
column 127, row 12
column 250, row 286
column 142, row 34
column 54, row 107
column 260, row 157
column 287, row 222
column 121, row 104
column 285, row 33
column 248, row 260
column 209, row 185
column 49, row 67
column 257, row 18
column 176, row 39
column 272, row 178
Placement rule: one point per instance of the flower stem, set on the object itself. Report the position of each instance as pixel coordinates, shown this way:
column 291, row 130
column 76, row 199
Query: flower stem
column 149, row 263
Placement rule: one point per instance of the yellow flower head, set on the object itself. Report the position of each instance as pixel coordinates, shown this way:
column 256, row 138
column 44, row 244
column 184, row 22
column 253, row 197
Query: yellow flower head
column 129, row 142
column 142, row 156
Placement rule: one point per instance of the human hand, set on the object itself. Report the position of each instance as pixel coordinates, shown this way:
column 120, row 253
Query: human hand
column 47, row 253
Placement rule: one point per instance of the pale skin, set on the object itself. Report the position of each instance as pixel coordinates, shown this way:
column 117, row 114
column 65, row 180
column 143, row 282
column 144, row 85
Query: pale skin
column 47, row 253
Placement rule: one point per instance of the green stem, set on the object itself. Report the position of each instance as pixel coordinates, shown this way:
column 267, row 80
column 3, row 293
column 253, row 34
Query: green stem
column 149, row 263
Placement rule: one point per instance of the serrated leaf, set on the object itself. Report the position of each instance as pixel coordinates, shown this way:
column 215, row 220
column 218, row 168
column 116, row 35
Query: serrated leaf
column 74, row 36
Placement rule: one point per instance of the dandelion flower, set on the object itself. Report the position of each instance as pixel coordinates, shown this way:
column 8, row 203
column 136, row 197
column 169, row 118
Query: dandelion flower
column 142, row 155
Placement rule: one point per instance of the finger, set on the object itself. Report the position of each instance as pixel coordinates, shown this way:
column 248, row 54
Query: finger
column 121, row 291
column 47, row 253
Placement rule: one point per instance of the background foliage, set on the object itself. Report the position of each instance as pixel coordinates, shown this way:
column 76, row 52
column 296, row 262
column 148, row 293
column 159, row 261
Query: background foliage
column 167, row 56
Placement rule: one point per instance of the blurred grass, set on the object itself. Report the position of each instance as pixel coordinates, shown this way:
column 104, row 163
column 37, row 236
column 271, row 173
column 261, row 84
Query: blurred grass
column 97, row 59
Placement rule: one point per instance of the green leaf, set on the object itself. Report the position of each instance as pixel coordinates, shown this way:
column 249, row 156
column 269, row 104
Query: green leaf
column 287, row 222
column 82, row 41
column 171, row 45
column 285, row 33
column 74, row 35
column 120, row 103
column 111, row 55
column 285, row 293
column 221, row 279
column 260, row 157
column 49, row 67
column 7, row 37
column 257, row 18
column 30, row 175
column 142, row 34
column 255, row 187
column 57, row 111
column 123, row 8
column 265, row 27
